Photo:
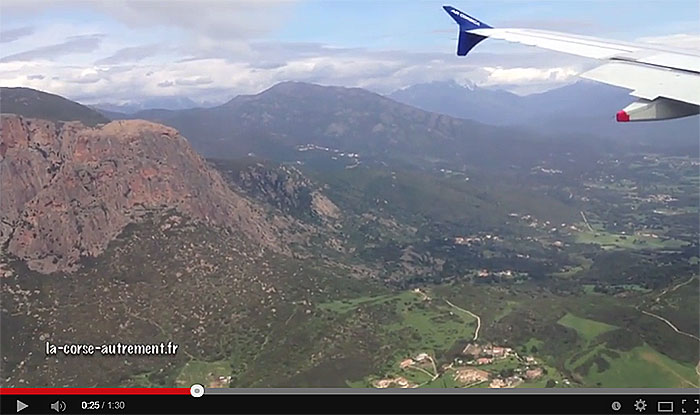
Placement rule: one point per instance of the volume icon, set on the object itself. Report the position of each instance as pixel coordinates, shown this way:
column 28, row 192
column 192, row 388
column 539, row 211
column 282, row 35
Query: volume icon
column 58, row 406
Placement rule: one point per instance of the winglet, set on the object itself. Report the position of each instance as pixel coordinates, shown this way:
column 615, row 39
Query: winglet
column 466, row 23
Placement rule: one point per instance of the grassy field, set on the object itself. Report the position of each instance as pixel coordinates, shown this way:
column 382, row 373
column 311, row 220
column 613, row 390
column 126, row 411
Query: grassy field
column 643, row 367
column 437, row 325
column 587, row 329
column 582, row 356
column 412, row 323
column 347, row 305
column 429, row 326
column 610, row 240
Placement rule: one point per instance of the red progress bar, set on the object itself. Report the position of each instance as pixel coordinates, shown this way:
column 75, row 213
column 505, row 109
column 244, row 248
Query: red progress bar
column 94, row 391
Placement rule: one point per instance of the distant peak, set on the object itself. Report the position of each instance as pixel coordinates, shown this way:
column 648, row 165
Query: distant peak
column 443, row 84
column 291, row 86
column 299, row 87
column 453, row 83
column 468, row 84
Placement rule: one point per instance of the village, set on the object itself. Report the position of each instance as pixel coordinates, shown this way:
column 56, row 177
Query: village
column 477, row 365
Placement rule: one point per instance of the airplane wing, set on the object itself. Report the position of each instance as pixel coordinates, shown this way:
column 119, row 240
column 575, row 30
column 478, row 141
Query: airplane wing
column 666, row 81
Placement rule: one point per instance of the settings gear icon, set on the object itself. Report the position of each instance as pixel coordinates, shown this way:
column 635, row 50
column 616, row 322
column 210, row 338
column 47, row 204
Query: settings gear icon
column 640, row 405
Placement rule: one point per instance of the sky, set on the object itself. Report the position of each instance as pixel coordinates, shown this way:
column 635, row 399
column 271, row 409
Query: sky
column 122, row 51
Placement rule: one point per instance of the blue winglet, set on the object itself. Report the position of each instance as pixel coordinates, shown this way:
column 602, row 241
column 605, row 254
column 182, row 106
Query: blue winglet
column 466, row 40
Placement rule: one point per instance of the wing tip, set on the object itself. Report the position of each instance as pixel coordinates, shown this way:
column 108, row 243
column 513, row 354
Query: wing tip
column 622, row 116
column 465, row 21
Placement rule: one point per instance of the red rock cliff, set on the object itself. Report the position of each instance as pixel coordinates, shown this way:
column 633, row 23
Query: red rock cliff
column 67, row 190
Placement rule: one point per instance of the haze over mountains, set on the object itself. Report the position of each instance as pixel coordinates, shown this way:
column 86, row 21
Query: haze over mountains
column 584, row 107
column 500, row 107
column 166, row 102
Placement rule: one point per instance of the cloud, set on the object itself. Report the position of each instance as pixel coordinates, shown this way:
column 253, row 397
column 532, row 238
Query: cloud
column 219, row 79
column 198, row 80
column 266, row 64
column 76, row 44
column 130, row 54
column 509, row 76
column 10, row 35
column 214, row 19
column 213, row 51
column 38, row 76
column 88, row 76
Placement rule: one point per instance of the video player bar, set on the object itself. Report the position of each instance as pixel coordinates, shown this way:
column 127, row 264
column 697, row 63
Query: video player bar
column 330, row 401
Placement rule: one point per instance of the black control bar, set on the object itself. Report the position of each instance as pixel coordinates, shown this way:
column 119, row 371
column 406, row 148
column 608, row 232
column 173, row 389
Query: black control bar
column 342, row 403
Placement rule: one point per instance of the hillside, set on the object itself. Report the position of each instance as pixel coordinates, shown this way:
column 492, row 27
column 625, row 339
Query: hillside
column 31, row 103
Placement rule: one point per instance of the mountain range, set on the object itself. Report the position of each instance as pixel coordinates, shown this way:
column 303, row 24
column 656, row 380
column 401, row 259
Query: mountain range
column 582, row 107
column 269, row 123
column 276, row 122
column 78, row 164
column 74, row 187
column 500, row 107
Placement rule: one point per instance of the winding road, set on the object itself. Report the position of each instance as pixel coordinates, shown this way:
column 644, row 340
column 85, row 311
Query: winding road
column 656, row 316
column 670, row 325
column 478, row 319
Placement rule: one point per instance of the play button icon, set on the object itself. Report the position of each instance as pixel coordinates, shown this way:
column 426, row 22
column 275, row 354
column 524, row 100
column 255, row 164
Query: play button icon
column 21, row 405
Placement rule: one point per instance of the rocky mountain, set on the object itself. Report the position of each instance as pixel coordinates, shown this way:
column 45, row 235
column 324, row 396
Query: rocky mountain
column 114, row 232
column 69, row 189
column 282, row 186
column 31, row 103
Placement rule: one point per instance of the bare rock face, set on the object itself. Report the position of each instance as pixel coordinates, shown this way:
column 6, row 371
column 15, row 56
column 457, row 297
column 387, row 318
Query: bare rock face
column 67, row 190
column 283, row 187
